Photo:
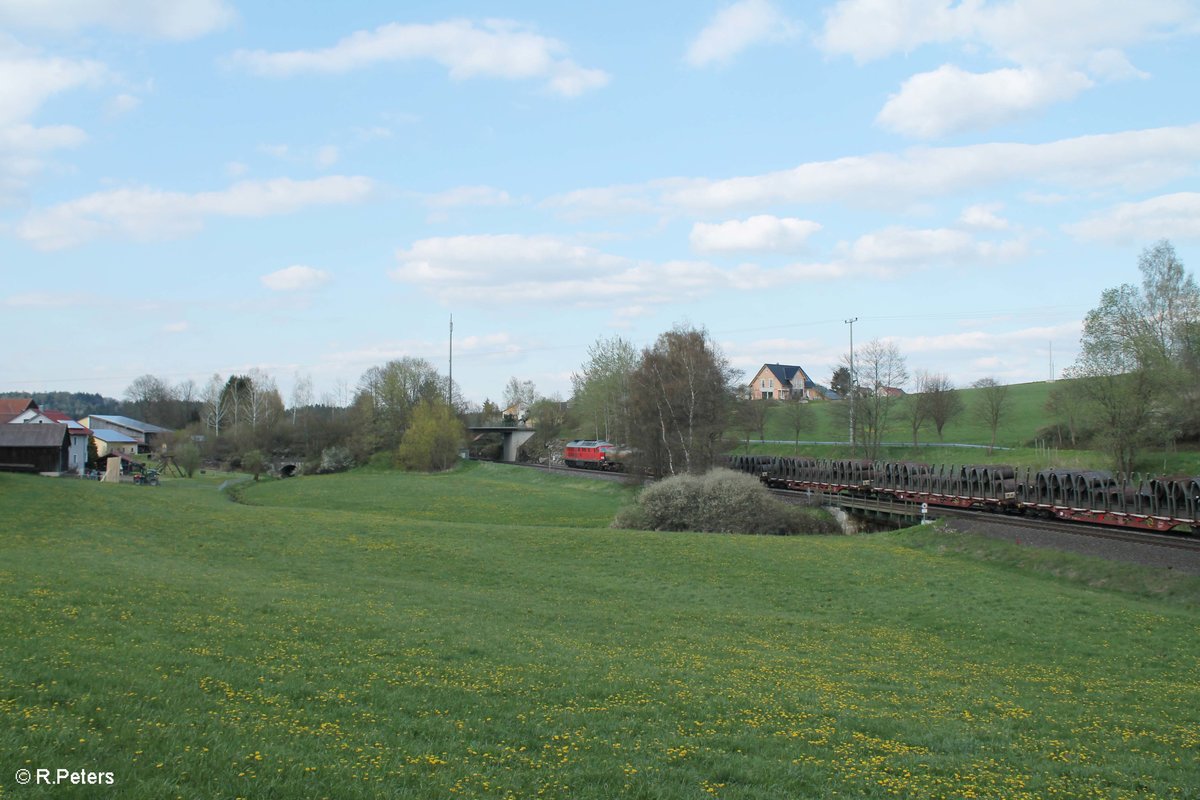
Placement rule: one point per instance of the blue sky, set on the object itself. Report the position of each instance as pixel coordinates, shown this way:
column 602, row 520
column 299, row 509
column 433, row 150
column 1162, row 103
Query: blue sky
column 210, row 186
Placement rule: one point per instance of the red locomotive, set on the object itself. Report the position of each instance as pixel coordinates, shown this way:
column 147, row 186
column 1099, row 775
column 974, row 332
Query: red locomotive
column 593, row 454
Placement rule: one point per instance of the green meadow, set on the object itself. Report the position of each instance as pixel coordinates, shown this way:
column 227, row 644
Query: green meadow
column 483, row 633
column 1020, row 434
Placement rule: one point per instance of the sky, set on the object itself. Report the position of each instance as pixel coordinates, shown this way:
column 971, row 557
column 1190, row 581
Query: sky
column 313, row 189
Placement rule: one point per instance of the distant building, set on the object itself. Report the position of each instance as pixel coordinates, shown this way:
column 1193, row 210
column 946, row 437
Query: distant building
column 110, row 442
column 782, row 382
column 889, row 391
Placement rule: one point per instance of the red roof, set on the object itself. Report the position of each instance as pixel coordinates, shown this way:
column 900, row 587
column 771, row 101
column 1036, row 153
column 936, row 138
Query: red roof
column 15, row 405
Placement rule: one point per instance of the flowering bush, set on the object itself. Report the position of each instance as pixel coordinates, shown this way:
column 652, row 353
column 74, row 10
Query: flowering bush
column 335, row 459
column 722, row 501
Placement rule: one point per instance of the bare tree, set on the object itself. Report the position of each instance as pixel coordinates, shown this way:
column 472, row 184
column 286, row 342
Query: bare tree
column 262, row 400
column 942, row 400
column 880, row 370
column 152, row 399
column 216, row 405
column 991, row 402
column 917, row 408
column 799, row 417
column 302, row 394
column 752, row 416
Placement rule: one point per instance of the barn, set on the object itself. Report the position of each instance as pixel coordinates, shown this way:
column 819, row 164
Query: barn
column 35, row 448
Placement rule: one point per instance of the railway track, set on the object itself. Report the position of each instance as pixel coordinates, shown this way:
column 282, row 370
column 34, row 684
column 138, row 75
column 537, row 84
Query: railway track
column 1177, row 541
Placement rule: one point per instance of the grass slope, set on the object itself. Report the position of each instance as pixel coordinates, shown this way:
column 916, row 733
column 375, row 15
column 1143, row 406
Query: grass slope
column 347, row 637
column 1024, row 416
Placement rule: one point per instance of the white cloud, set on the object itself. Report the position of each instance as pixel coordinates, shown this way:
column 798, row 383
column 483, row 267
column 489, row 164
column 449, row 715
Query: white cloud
column 175, row 327
column 144, row 213
column 735, row 28
column 871, row 29
column 984, row 217
column 889, row 253
column 1130, row 160
column 988, row 340
column 494, row 48
column 295, row 278
column 1171, row 216
column 517, row 268
column 951, row 100
column 1058, row 48
column 27, row 80
column 759, row 233
column 177, row 19
column 466, row 196
column 1022, row 31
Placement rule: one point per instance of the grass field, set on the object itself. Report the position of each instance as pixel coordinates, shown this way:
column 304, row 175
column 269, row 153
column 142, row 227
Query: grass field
column 1018, row 434
column 484, row 634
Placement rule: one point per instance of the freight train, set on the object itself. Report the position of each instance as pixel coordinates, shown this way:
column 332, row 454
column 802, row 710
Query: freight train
column 1150, row 504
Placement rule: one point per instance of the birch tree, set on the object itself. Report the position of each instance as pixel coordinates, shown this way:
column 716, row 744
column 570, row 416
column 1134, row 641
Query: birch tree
column 683, row 392
column 216, row 405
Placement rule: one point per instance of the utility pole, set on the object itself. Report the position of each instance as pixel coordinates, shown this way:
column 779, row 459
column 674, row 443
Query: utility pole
column 853, row 382
column 450, row 382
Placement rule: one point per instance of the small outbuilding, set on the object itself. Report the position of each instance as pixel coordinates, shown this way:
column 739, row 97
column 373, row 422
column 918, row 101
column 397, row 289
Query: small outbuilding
column 35, row 448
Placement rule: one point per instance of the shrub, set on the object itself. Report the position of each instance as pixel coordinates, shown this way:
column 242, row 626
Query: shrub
column 432, row 441
column 187, row 457
column 255, row 463
column 721, row 501
column 335, row 459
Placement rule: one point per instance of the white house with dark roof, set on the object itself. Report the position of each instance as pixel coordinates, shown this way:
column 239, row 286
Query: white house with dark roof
column 782, row 382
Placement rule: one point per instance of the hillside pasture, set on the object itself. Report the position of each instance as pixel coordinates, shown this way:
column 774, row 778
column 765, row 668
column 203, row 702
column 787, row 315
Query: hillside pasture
column 380, row 634
column 1020, row 437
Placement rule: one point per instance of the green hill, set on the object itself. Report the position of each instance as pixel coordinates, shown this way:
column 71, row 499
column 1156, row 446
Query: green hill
column 1022, row 434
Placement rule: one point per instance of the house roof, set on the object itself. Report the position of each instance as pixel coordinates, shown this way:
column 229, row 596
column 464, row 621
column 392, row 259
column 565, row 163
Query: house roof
column 49, row 435
column 112, row 437
column 786, row 373
column 131, row 423
column 15, row 405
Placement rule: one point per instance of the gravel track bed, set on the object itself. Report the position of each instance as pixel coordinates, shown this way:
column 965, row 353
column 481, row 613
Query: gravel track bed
column 1185, row 561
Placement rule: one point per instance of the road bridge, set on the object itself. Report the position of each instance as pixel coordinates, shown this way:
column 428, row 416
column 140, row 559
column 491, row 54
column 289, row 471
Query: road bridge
column 513, row 438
